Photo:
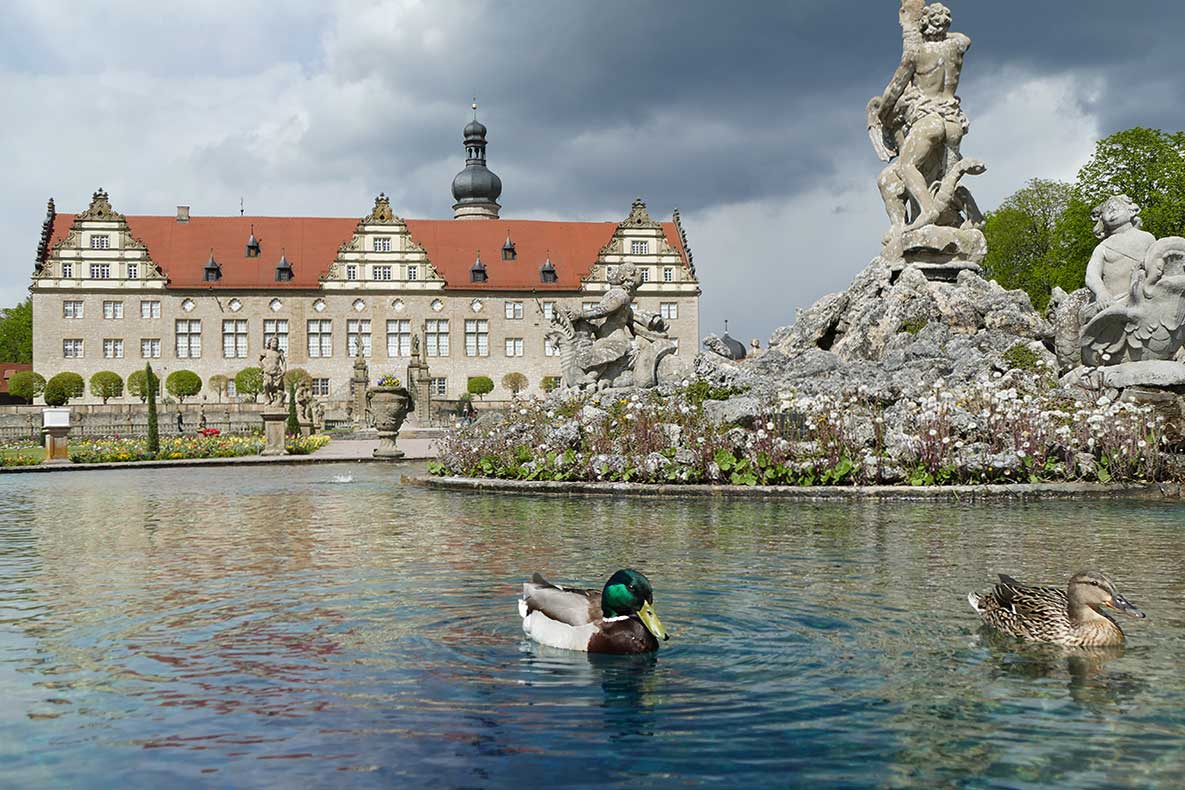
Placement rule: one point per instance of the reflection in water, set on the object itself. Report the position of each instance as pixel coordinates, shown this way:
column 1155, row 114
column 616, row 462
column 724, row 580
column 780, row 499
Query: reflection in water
column 285, row 628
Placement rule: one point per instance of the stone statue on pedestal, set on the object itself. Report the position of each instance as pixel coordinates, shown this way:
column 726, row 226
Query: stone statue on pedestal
column 918, row 125
column 611, row 344
column 273, row 365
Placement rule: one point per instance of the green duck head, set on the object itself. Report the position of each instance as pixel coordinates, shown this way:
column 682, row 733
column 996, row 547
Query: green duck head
column 629, row 593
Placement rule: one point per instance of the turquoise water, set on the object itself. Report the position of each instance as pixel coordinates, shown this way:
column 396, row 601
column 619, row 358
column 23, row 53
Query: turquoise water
column 253, row 627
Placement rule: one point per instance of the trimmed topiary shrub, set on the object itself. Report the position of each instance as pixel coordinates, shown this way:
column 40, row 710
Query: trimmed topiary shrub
column 249, row 382
column 515, row 382
column 151, row 383
column 26, row 385
column 480, row 386
column 550, row 383
column 293, row 426
column 137, row 385
column 182, row 384
column 62, row 387
column 296, row 375
column 106, row 384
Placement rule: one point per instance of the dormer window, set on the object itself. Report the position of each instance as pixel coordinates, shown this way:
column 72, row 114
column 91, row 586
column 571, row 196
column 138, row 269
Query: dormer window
column 212, row 272
column 477, row 272
column 509, row 253
column 547, row 272
column 253, row 245
column 283, row 269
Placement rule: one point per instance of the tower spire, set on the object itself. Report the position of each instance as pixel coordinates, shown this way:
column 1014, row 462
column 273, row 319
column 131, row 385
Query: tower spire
column 476, row 189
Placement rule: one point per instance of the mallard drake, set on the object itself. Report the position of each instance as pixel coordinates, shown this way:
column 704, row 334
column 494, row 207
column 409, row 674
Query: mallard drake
column 1072, row 617
column 619, row 618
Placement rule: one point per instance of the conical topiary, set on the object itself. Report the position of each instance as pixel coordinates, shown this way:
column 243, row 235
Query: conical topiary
column 293, row 421
column 153, row 427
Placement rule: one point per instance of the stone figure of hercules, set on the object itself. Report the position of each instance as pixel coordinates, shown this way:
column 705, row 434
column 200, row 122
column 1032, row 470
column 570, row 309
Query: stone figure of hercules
column 919, row 113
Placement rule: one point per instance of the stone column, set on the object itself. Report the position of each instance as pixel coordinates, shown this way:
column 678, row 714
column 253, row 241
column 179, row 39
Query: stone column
column 418, row 383
column 359, row 381
column 274, row 421
column 55, row 428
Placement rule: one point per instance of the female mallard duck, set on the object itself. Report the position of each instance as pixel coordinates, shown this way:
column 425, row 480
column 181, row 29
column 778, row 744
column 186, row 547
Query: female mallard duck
column 1047, row 614
column 617, row 619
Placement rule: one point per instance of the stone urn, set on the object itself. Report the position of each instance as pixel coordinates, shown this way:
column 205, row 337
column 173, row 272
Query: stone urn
column 389, row 407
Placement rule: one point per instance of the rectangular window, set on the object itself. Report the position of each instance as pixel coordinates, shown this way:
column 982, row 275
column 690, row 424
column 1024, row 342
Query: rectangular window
column 234, row 339
column 113, row 311
column 514, row 311
column 477, row 337
column 100, row 271
column 189, row 338
column 72, row 348
column 639, row 247
column 380, row 272
column 399, row 338
column 231, row 390
column 549, row 310
column 320, row 388
column 100, row 241
column 133, row 271
column 150, row 309
column 413, row 272
column 668, row 310
column 112, row 349
column 436, row 337
column 438, row 386
column 320, row 335
column 150, row 348
column 277, row 328
column 514, row 346
column 351, row 271
column 71, row 309
column 668, row 274
column 550, row 349
column 645, row 275
column 67, row 270
column 358, row 331
column 382, row 244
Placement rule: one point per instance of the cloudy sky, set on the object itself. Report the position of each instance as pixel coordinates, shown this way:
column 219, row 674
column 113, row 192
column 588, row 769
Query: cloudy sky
column 747, row 116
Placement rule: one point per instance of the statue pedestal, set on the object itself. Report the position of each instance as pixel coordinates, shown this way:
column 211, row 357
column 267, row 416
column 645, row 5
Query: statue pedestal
column 940, row 253
column 55, row 429
column 273, row 431
column 306, row 429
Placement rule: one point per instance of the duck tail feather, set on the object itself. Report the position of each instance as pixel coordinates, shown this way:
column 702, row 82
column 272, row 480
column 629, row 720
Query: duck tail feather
column 537, row 578
column 973, row 599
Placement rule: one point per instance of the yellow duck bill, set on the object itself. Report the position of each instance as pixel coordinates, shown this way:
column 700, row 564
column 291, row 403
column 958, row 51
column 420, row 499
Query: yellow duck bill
column 652, row 623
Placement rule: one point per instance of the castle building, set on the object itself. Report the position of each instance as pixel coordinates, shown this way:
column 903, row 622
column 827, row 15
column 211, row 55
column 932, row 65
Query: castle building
column 184, row 291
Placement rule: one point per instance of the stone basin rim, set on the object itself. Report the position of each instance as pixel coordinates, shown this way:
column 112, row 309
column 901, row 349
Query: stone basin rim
column 961, row 492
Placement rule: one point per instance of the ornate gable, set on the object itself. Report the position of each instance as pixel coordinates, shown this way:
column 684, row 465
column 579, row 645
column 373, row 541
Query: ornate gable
column 381, row 254
column 640, row 240
column 99, row 250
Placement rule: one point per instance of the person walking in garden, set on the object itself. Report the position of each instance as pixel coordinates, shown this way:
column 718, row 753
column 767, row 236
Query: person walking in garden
column 180, row 421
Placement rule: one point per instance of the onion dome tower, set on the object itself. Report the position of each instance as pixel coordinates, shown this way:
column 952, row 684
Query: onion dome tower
column 476, row 188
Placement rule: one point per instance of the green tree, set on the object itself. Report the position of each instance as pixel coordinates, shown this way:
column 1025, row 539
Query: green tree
column 550, row 383
column 106, row 384
column 515, row 382
column 151, row 385
column 1023, row 245
column 138, row 384
column 480, row 386
column 62, row 387
column 293, row 426
column 26, row 385
column 219, row 384
column 182, row 384
column 297, row 375
column 16, row 333
column 249, row 382
column 1148, row 166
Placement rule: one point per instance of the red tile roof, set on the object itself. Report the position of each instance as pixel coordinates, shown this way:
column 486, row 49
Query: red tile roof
column 7, row 371
column 181, row 249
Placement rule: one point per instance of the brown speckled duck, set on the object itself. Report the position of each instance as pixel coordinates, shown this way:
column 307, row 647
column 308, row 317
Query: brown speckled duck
column 1073, row 617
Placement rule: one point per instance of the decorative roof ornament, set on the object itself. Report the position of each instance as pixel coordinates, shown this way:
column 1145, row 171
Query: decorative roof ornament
column 477, row 272
column 476, row 189
column 46, row 233
column 639, row 217
column 212, row 272
column 283, row 269
column 509, row 253
column 100, row 208
column 381, row 214
column 547, row 272
column 253, row 249
column 683, row 238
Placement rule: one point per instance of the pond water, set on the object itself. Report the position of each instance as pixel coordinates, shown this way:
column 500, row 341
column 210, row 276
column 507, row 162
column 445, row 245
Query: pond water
column 254, row 627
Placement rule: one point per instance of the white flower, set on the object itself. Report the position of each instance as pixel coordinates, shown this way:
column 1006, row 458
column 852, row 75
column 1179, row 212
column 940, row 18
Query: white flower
column 1020, row 454
column 769, row 426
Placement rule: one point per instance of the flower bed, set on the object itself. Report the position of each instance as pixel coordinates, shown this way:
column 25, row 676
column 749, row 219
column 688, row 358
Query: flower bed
column 304, row 445
column 102, row 451
column 1012, row 428
column 22, row 456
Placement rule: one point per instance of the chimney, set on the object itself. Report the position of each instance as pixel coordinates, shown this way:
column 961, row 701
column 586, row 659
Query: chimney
column 183, row 213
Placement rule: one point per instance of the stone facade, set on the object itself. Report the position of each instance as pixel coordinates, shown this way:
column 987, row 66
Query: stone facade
column 113, row 292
